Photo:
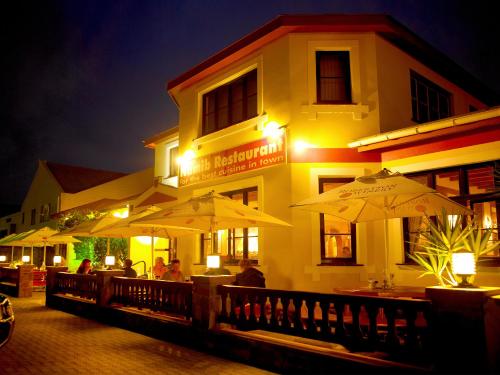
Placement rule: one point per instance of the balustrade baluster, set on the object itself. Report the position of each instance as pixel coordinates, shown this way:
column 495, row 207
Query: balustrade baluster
column 339, row 326
column 373, row 336
column 391, row 339
column 311, row 321
column 325, row 321
column 274, row 319
column 252, row 320
column 356, row 333
column 262, row 304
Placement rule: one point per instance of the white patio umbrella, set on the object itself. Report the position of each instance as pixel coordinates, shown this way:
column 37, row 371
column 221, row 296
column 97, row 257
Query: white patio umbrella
column 209, row 213
column 127, row 227
column 381, row 196
column 40, row 238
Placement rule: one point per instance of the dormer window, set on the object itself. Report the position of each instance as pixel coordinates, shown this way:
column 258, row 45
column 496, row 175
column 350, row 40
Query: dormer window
column 230, row 104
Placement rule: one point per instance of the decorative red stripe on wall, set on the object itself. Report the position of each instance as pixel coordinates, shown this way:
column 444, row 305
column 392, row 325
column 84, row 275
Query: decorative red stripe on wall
column 334, row 155
column 451, row 143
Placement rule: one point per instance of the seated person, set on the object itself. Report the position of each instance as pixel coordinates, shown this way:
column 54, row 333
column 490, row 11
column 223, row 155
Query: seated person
column 249, row 276
column 129, row 271
column 159, row 268
column 174, row 273
column 85, row 267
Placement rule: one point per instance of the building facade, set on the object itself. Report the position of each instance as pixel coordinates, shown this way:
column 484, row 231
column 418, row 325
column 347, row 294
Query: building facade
column 274, row 118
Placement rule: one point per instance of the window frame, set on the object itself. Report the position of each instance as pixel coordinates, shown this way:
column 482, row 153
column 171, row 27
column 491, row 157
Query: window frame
column 230, row 259
column 33, row 216
column 230, row 103
column 417, row 80
column 462, row 198
column 335, row 261
column 347, row 76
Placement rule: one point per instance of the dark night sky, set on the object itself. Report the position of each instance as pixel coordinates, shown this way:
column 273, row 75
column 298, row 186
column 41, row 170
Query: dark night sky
column 83, row 81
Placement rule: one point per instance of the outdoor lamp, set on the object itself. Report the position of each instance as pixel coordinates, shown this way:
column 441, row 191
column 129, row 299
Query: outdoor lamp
column 463, row 264
column 213, row 261
column 3, row 258
column 26, row 258
column 57, row 259
column 109, row 261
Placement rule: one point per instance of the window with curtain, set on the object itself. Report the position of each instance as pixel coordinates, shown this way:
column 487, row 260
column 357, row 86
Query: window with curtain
column 475, row 186
column 230, row 104
column 337, row 236
column 173, row 165
column 333, row 77
column 238, row 243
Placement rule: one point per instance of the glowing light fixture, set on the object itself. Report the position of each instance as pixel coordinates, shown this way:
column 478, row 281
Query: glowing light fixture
column 272, row 130
column 3, row 258
column 57, row 259
column 463, row 264
column 121, row 213
column 301, row 146
column 109, row 261
column 213, row 261
column 26, row 258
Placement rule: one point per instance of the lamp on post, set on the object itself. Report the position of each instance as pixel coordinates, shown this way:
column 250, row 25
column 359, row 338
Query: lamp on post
column 109, row 261
column 25, row 259
column 57, row 260
column 3, row 258
column 213, row 261
column 463, row 264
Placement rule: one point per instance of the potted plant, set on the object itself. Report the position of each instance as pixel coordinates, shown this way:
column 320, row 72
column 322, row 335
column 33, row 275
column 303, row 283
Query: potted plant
column 445, row 235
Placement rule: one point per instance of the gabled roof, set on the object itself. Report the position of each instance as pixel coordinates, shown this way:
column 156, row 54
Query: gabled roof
column 74, row 179
column 384, row 25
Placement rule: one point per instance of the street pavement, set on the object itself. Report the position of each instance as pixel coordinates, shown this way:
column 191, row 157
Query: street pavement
column 47, row 341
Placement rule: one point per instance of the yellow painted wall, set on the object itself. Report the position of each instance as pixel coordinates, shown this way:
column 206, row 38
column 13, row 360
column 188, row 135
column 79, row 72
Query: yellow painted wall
column 393, row 75
column 290, row 257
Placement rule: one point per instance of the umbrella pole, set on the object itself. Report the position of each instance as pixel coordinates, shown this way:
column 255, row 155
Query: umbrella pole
column 107, row 247
column 44, row 255
column 152, row 253
column 12, row 255
column 386, row 283
column 31, row 255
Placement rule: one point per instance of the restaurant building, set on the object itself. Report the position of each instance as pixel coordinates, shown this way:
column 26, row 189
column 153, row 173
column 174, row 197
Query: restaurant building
column 306, row 103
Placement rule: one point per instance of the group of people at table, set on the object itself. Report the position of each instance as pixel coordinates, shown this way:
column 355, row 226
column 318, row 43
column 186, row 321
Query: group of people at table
column 249, row 276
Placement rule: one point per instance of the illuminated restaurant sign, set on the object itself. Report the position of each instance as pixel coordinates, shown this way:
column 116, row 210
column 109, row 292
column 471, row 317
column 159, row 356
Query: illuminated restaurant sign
column 259, row 154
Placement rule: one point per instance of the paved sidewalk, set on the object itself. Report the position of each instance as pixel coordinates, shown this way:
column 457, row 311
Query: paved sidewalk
column 47, row 341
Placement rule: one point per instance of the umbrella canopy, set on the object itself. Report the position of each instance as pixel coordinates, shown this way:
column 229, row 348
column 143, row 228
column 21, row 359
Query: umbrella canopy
column 87, row 228
column 384, row 195
column 209, row 213
column 5, row 240
column 130, row 227
column 381, row 196
column 40, row 238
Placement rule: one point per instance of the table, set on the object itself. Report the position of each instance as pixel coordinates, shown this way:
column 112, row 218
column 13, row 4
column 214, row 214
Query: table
column 396, row 292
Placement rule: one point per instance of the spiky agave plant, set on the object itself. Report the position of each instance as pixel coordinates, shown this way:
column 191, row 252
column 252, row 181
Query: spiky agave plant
column 440, row 239
column 478, row 242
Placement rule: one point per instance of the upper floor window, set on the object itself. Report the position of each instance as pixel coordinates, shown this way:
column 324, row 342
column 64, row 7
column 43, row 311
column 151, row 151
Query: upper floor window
column 429, row 102
column 44, row 213
column 474, row 186
column 173, row 165
column 338, row 237
column 238, row 243
column 33, row 216
column 231, row 103
column 333, row 77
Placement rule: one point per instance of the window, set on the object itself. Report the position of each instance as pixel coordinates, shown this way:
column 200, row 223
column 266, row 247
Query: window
column 22, row 218
column 338, row 237
column 173, row 165
column 44, row 213
column 474, row 186
column 333, row 77
column 238, row 243
column 33, row 216
column 429, row 102
column 229, row 104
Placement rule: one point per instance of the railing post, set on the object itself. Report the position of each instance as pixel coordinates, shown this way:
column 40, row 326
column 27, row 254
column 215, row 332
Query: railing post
column 104, row 286
column 51, row 282
column 205, row 299
column 458, row 328
column 25, row 281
